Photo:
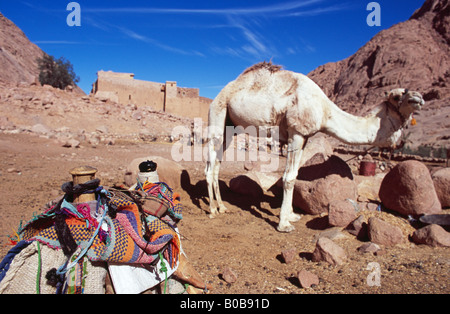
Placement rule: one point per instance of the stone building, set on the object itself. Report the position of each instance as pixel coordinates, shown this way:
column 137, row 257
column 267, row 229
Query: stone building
column 168, row 97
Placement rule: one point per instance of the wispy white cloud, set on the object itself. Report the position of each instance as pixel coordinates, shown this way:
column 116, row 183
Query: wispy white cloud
column 107, row 26
column 257, row 45
column 284, row 8
column 97, row 23
column 305, row 48
column 320, row 11
column 251, row 45
column 131, row 34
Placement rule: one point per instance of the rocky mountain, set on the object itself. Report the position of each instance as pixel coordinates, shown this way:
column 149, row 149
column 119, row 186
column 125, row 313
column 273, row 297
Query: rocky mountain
column 17, row 54
column 414, row 54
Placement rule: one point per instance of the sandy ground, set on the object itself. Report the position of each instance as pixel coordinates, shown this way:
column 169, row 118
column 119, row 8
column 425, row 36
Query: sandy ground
column 32, row 170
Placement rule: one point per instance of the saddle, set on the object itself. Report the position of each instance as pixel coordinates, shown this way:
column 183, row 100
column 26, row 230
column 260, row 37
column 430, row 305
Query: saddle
column 120, row 227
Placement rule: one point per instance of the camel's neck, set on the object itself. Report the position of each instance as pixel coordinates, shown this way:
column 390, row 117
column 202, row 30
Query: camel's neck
column 379, row 128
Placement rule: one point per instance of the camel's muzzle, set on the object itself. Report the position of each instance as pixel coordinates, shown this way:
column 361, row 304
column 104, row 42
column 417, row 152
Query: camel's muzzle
column 416, row 102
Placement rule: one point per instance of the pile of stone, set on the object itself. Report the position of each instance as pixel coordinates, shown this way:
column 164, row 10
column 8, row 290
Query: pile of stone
column 382, row 210
column 76, row 120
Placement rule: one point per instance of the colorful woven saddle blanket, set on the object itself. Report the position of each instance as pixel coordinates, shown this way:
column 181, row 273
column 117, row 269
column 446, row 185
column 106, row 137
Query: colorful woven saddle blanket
column 163, row 194
column 120, row 239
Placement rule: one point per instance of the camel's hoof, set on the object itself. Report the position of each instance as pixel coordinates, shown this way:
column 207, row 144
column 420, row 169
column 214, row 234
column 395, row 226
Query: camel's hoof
column 213, row 214
column 223, row 210
column 294, row 217
column 286, row 228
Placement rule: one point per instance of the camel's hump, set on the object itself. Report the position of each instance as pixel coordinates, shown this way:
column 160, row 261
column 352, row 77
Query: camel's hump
column 263, row 65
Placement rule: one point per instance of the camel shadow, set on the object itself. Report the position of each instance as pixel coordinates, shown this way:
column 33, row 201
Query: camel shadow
column 318, row 223
column 252, row 195
column 197, row 192
column 333, row 165
column 251, row 203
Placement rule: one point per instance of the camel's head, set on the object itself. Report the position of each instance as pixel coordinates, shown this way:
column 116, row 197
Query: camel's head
column 405, row 101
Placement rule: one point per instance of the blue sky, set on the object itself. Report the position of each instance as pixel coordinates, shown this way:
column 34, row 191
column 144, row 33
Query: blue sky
column 200, row 44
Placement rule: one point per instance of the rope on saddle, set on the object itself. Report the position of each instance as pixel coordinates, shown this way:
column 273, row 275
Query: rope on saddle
column 62, row 210
column 68, row 243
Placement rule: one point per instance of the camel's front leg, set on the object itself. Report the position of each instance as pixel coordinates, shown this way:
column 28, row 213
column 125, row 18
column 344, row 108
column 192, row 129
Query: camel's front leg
column 295, row 149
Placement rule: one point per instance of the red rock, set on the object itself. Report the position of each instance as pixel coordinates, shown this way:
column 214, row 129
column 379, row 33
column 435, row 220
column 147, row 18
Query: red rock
column 408, row 189
column 322, row 180
column 289, row 255
column 320, row 166
column 315, row 197
column 318, row 148
column 307, row 279
column 341, row 213
column 358, row 228
column 369, row 248
column 328, row 251
column 441, row 180
column 246, row 184
column 381, row 232
column 432, row 235
column 229, row 275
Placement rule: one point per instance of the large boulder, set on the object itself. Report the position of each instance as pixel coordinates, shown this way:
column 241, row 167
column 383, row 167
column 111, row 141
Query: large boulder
column 408, row 189
column 247, row 184
column 320, row 166
column 322, row 180
column 268, row 181
column 441, row 180
column 316, row 145
column 314, row 197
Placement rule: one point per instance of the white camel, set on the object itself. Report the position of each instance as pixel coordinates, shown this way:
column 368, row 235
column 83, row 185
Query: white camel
column 265, row 95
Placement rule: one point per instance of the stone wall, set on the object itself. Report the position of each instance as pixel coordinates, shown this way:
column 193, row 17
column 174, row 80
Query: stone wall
column 168, row 97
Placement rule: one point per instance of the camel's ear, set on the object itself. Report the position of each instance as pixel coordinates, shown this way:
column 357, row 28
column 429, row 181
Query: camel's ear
column 406, row 91
column 386, row 95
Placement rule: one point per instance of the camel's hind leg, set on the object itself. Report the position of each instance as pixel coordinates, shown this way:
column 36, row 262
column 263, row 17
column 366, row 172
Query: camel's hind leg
column 216, row 130
column 212, row 180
